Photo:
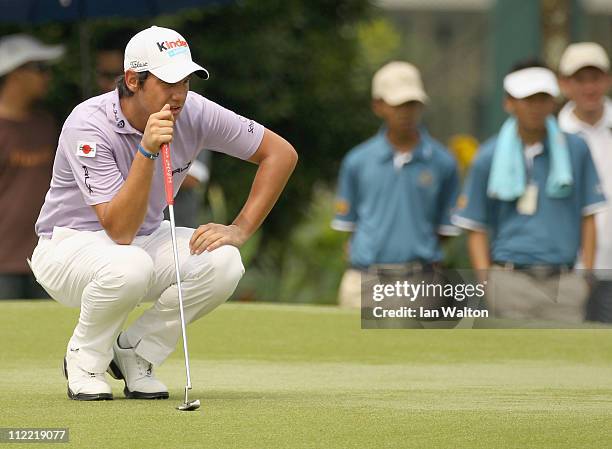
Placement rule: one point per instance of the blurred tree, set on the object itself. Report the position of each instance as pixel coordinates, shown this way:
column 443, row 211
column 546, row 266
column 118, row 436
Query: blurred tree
column 312, row 262
column 379, row 41
column 289, row 65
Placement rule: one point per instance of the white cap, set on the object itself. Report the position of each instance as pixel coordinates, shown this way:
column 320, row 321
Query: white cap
column 398, row 82
column 164, row 53
column 19, row 49
column 583, row 54
column 530, row 81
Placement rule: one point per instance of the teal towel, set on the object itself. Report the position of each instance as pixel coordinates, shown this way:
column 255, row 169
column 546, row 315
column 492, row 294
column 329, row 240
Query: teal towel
column 508, row 177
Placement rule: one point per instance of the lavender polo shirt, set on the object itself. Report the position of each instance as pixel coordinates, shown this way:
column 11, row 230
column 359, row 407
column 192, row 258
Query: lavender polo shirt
column 97, row 146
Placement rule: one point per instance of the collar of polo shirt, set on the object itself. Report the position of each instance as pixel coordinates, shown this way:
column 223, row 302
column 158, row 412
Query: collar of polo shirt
column 115, row 116
column 570, row 123
column 421, row 152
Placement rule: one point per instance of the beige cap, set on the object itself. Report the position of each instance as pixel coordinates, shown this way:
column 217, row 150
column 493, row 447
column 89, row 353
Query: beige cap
column 583, row 54
column 398, row 82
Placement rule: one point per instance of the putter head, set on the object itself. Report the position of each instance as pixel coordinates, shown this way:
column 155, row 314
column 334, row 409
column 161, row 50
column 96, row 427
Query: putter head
column 189, row 406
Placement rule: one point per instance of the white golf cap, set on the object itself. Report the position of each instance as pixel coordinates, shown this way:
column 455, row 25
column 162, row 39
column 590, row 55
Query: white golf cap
column 530, row 81
column 164, row 53
column 398, row 82
column 581, row 55
column 19, row 49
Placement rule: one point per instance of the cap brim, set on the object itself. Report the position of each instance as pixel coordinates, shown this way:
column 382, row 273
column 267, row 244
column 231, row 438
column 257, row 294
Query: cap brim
column 570, row 70
column 402, row 96
column 173, row 73
column 50, row 53
column 530, row 81
column 528, row 91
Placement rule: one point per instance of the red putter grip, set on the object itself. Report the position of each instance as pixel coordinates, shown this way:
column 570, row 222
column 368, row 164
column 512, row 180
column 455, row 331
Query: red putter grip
column 167, row 169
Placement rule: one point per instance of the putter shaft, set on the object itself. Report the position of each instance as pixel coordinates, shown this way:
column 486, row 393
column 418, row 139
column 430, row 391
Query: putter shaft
column 169, row 188
column 180, row 296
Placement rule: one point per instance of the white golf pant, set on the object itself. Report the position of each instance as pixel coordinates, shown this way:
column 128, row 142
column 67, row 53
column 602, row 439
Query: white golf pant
column 107, row 281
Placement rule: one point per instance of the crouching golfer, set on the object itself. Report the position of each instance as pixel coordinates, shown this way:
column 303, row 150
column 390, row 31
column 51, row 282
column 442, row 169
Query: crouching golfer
column 103, row 245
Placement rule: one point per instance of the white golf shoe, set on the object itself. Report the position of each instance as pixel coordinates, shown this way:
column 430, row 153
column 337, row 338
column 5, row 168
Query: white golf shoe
column 137, row 373
column 83, row 385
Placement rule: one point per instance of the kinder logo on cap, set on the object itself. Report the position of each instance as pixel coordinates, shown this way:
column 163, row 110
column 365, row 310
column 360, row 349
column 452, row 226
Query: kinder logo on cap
column 86, row 149
column 173, row 47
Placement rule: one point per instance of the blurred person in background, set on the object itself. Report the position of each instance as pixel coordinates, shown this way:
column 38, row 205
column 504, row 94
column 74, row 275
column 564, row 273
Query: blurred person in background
column 28, row 138
column 529, row 205
column 109, row 59
column 584, row 77
column 396, row 189
column 188, row 200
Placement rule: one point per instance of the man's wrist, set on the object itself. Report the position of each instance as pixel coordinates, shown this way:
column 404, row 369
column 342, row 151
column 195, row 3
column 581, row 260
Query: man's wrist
column 244, row 235
column 146, row 153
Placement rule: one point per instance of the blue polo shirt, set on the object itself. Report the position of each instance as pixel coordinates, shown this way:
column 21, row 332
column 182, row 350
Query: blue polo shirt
column 552, row 235
column 396, row 209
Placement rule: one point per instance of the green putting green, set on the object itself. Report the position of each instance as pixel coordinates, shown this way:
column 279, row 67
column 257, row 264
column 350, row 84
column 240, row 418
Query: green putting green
column 280, row 376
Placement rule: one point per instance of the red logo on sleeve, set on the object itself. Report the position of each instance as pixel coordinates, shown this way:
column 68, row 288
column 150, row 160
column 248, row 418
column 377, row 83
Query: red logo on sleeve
column 86, row 149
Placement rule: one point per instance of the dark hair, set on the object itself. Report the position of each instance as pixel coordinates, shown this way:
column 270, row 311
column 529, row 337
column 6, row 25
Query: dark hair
column 525, row 64
column 124, row 91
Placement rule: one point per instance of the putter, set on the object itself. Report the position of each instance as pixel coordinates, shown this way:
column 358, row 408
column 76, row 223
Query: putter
column 194, row 404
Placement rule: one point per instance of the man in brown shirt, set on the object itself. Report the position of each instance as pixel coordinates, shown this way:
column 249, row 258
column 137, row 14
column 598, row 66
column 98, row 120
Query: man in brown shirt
column 28, row 138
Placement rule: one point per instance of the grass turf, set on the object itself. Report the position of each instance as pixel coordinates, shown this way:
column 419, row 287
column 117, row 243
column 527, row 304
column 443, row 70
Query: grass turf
column 274, row 376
